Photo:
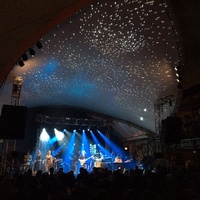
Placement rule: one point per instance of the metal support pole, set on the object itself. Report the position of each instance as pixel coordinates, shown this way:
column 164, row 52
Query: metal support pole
column 9, row 146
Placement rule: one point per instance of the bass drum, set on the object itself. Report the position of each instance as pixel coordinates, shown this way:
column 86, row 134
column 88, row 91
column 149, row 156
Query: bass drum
column 97, row 164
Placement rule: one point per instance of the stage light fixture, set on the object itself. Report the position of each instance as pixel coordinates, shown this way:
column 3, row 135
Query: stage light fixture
column 179, row 79
column 178, row 68
column 39, row 45
column 179, row 73
column 59, row 134
column 44, row 136
column 32, row 52
column 179, row 82
column 25, row 57
column 125, row 148
column 21, row 63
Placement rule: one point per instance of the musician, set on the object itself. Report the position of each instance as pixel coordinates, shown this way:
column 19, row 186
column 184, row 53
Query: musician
column 49, row 161
column 38, row 161
column 117, row 164
column 118, row 159
column 73, row 159
column 27, row 161
column 97, row 158
column 82, row 159
column 74, row 162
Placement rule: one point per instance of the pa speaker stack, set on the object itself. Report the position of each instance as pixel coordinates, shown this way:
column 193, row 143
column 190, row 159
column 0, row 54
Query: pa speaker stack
column 13, row 122
column 171, row 129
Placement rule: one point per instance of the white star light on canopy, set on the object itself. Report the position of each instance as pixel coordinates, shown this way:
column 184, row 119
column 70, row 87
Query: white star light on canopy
column 114, row 58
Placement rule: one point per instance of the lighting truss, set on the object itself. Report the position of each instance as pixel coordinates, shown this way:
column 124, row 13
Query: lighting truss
column 45, row 119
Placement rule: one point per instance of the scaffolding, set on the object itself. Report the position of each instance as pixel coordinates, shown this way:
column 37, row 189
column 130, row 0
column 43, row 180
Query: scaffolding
column 159, row 116
column 9, row 145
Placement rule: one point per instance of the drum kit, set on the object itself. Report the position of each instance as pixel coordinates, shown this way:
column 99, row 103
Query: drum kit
column 98, row 161
column 57, row 163
column 97, row 164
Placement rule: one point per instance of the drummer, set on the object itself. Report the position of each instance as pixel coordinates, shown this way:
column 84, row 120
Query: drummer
column 97, row 157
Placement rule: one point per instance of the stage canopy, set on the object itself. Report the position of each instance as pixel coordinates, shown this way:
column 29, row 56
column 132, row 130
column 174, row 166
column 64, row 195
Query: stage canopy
column 116, row 60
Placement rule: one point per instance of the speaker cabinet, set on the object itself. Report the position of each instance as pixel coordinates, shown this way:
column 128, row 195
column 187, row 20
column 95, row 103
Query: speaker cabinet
column 159, row 155
column 13, row 122
column 171, row 129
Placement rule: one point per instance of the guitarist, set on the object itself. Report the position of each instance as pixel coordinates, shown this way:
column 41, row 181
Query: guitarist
column 82, row 159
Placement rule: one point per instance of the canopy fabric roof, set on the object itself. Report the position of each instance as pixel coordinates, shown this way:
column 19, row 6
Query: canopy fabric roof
column 113, row 58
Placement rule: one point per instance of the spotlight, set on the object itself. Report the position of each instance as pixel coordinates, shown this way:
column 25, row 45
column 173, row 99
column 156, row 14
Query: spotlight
column 44, row 136
column 179, row 79
column 178, row 73
column 59, row 134
column 21, row 63
column 32, row 52
column 25, row 57
column 179, row 82
column 125, row 148
column 39, row 45
column 178, row 68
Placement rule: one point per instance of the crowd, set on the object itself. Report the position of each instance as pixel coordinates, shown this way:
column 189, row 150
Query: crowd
column 103, row 184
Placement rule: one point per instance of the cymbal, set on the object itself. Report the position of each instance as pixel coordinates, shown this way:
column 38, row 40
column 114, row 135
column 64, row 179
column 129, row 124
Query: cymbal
column 58, row 159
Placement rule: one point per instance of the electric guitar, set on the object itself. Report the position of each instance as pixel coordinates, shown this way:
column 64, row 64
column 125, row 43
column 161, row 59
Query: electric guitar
column 82, row 161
